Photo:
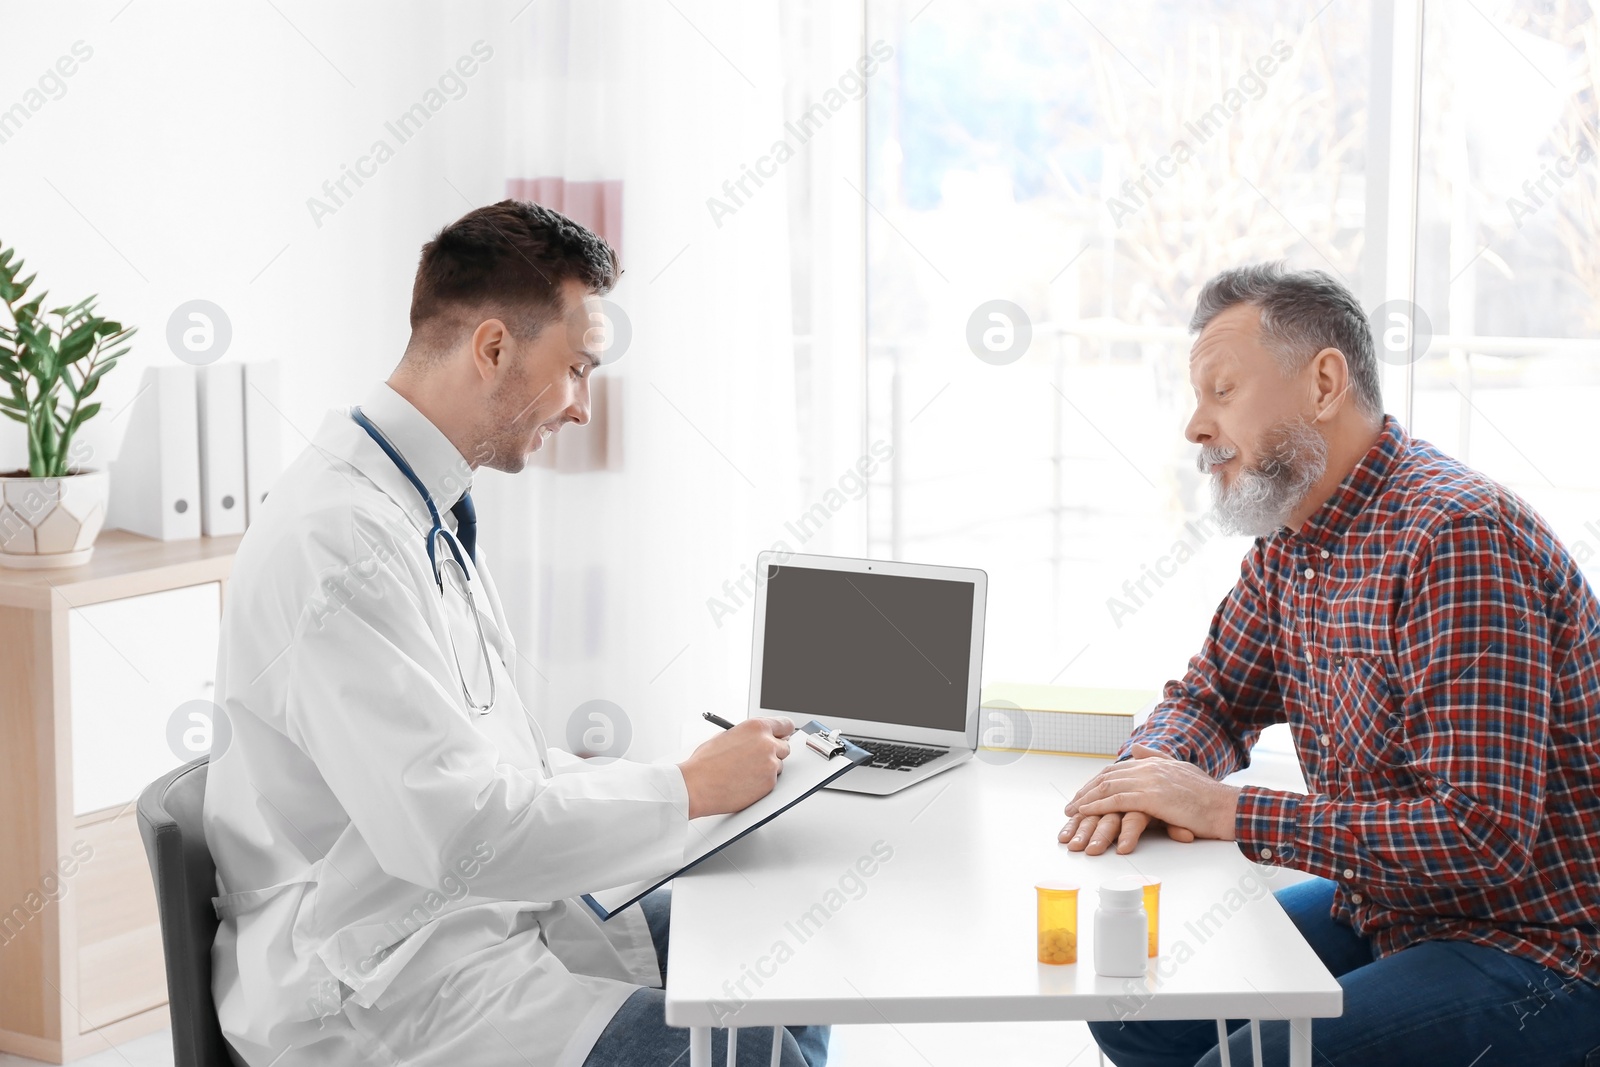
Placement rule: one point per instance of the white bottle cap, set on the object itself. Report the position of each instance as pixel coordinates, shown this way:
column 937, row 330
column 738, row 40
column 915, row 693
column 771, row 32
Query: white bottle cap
column 1125, row 891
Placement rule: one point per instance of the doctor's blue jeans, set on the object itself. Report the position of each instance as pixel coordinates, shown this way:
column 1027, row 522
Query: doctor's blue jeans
column 1436, row 1003
column 638, row 1035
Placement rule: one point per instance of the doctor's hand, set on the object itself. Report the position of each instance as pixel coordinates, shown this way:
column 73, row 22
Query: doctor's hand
column 1096, row 833
column 737, row 767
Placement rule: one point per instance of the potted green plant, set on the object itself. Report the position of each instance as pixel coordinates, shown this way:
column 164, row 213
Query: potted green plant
column 52, row 363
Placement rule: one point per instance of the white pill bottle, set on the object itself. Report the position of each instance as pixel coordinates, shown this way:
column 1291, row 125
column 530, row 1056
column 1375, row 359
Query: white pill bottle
column 1121, row 929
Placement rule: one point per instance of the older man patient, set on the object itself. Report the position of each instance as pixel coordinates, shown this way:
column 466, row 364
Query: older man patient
column 1436, row 654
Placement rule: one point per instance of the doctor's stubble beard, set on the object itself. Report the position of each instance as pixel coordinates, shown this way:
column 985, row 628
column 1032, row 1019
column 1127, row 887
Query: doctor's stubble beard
column 506, row 427
column 1262, row 497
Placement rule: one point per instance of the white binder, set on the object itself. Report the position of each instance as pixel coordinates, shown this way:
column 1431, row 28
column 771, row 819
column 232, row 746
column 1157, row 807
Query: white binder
column 155, row 481
column 220, row 399
column 263, row 439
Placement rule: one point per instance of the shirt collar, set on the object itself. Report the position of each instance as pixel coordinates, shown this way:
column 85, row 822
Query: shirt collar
column 1360, row 487
column 438, row 464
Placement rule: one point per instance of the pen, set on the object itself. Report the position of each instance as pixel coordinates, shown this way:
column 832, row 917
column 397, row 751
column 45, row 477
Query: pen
column 713, row 717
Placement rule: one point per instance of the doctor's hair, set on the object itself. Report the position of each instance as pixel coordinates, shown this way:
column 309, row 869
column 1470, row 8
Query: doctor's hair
column 1302, row 313
column 505, row 261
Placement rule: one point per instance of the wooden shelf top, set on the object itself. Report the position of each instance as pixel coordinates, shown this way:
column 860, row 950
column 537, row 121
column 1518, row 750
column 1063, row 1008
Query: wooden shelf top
column 124, row 565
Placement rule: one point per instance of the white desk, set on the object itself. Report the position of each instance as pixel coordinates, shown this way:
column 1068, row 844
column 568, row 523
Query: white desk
column 944, row 929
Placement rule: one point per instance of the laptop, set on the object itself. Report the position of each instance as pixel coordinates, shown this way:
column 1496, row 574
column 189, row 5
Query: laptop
column 889, row 654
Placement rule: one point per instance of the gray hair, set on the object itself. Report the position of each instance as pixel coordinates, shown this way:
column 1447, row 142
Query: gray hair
column 1302, row 312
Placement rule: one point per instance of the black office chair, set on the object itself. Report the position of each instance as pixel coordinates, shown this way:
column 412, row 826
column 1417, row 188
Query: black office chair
column 186, row 880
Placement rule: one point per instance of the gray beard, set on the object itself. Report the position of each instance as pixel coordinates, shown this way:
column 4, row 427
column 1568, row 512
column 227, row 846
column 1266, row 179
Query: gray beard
column 1262, row 498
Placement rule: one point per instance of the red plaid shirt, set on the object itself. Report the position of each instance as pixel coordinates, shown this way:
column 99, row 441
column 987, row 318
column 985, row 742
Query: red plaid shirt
column 1436, row 654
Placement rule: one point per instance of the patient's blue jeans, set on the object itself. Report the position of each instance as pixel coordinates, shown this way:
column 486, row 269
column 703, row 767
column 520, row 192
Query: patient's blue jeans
column 1437, row 1002
column 638, row 1035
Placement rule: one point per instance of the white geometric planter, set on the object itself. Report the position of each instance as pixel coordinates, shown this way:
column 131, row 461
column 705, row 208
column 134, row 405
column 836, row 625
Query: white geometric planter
column 51, row 522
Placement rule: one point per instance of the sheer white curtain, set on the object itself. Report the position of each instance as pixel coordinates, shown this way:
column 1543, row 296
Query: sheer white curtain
column 607, row 574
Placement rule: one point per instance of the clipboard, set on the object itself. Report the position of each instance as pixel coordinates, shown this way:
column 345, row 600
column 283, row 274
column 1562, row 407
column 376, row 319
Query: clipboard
column 816, row 757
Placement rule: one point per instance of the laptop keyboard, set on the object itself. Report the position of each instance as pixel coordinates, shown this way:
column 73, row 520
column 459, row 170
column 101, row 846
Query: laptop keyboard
column 893, row 757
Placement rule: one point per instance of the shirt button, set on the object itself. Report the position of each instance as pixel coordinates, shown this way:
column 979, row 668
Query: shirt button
column 1310, row 573
column 1348, row 873
column 1324, row 553
column 1324, row 739
column 1310, row 658
column 1355, row 898
column 1266, row 853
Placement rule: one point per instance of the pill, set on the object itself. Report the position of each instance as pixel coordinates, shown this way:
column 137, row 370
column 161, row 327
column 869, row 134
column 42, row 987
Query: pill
column 1058, row 945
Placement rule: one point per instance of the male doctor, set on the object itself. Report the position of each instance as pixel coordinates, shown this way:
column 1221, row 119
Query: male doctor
column 398, row 851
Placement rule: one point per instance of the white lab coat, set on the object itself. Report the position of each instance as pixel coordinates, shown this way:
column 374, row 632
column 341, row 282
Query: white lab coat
column 396, row 874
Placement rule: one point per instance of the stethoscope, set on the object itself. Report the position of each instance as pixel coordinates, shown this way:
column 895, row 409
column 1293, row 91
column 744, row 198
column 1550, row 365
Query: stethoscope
column 441, row 563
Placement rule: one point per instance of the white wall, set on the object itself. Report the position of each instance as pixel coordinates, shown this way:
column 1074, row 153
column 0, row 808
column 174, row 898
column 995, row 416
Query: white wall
column 177, row 164
column 177, row 161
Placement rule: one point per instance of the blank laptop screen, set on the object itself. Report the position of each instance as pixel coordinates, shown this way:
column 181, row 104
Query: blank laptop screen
column 883, row 647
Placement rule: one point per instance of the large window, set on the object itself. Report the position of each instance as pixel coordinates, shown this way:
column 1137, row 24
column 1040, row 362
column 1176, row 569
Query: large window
column 1508, row 252
column 1049, row 184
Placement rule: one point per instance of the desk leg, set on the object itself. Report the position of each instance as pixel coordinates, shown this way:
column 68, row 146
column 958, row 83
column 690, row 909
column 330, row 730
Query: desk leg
column 733, row 1046
column 1299, row 1043
column 700, row 1046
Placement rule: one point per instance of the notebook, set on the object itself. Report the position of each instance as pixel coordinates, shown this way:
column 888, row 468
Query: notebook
column 1062, row 719
column 805, row 770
